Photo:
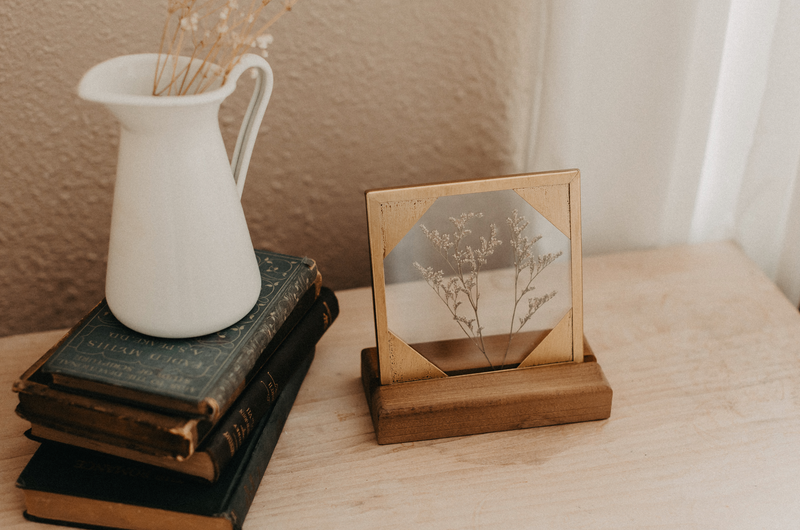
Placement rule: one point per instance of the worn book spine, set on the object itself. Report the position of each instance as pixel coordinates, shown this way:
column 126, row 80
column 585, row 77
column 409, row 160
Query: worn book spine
column 253, row 405
column 162, row 434
column 249, row 476
column 200, row 375
column 64, row 484
column 246, row 369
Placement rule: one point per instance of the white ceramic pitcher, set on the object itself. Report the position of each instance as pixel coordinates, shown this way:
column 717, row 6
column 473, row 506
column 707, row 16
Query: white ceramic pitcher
column 180, row 259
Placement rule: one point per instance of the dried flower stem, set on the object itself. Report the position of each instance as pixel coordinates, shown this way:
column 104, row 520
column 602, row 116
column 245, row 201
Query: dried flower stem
column 524, row 259
column 466, row 264
column 216, row 32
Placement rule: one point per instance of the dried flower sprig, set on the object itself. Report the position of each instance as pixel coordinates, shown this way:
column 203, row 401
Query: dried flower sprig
column 525, row 261
column 217, row 32
column 465, row 263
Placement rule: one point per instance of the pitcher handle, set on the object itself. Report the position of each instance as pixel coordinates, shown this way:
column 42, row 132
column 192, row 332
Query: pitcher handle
column 252, row 118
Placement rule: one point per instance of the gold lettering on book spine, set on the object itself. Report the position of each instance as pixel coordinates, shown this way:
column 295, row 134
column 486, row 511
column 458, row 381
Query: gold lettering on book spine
column 272, row 388
column 238, row 432
column 231, row 444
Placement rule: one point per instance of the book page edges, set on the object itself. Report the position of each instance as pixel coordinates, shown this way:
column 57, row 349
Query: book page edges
column 199, row 464
column 208, row 408
column 55, row 507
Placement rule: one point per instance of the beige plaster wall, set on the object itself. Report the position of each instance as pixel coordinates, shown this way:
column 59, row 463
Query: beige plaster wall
column 368, row 93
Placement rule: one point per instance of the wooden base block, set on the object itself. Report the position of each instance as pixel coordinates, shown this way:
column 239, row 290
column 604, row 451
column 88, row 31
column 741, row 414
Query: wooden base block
column 485, row 402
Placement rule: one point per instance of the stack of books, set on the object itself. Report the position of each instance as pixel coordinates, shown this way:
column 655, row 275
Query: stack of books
column 142, row 432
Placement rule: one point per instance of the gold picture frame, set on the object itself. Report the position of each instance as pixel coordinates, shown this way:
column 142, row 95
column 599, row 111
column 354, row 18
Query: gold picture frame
column 391, row 214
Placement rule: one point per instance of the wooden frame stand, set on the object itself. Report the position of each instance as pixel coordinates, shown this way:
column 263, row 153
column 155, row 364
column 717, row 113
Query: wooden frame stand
column 487, row 402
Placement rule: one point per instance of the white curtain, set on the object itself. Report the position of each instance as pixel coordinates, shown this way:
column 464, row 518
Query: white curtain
column 684, row 119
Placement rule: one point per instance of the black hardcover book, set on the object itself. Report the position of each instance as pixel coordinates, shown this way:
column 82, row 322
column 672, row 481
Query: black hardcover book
column 69, row 485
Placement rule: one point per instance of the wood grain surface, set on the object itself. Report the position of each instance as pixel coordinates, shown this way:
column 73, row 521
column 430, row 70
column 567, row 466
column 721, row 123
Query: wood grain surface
column 703, row 354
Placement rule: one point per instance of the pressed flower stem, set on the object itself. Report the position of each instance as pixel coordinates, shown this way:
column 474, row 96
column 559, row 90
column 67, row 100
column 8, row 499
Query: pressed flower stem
column 467, row 282
column 462, row 282
column 524, row 259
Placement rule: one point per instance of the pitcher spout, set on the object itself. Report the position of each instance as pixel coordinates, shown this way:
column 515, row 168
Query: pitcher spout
column 129, row 80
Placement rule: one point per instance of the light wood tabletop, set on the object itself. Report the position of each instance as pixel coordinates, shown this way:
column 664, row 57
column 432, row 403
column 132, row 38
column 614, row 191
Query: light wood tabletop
column 703, row 355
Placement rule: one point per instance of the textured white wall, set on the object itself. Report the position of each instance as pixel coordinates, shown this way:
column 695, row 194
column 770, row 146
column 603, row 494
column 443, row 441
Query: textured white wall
column 368, row 93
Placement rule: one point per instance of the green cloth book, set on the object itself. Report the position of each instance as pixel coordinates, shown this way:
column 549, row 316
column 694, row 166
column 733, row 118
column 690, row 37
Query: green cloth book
column 155, row 432
column 70, row 485
column 198, row 376
column 227, row 437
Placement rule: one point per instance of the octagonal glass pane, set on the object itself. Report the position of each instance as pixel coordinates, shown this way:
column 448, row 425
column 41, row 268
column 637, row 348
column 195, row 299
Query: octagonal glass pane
column 478, row 282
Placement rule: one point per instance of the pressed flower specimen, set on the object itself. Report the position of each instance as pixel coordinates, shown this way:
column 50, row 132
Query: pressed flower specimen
column 527, row 267
column 465, row 261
